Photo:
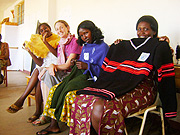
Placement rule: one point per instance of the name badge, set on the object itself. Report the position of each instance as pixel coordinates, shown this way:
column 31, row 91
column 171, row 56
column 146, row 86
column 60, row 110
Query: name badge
column 86, row 56
column 143, row 57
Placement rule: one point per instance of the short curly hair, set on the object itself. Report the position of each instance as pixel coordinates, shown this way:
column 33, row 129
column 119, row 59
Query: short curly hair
column 45, row 25
column 151, row 20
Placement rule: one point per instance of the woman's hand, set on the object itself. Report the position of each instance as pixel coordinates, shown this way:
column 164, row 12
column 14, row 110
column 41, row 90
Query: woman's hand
column 52, row 69
column 26, row 48
column 81, row 65
column 41, row 74
column 73, row 62
column 164, row 38
column 117, row 41
column 44, row 37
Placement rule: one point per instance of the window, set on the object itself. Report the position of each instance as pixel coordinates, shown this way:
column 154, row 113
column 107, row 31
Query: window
column 19, row 13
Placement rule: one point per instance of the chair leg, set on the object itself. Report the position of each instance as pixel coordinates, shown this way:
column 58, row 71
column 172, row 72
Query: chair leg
column 162, row 121
column 144, row 119
column 143, row 123
column 6, row 78
column 125, row 130
column 28, row 101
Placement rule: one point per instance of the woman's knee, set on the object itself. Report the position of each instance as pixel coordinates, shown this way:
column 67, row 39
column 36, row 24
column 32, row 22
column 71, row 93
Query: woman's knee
column 98, row 109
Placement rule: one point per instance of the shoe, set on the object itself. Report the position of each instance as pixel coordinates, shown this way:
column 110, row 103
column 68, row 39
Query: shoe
column 32, row 118
column 41, row 121
column 47, row 132
column 13, row 108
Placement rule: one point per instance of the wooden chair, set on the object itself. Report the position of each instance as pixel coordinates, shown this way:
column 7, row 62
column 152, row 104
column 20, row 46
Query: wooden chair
column 142, row 114
column 31, row 95
column 4, row 70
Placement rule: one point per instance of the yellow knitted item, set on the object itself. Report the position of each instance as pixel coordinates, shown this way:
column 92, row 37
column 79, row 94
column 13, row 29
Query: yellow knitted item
column 37, row 46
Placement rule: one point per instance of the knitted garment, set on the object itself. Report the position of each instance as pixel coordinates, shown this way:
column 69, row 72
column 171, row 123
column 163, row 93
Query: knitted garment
column 128, row 63
column 37, row 46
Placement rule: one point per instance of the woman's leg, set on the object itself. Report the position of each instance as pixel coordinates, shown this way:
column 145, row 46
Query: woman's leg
column 97, row 114
column 32, row 84
column 38, row 100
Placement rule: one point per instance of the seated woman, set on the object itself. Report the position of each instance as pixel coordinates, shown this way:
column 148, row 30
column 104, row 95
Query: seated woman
column 67, row 49
column 43, row 49
column 85, row 71
column 4, row 57
column 131, row 71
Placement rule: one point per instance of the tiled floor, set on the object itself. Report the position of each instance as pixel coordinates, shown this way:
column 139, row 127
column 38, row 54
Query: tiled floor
column 15, row 124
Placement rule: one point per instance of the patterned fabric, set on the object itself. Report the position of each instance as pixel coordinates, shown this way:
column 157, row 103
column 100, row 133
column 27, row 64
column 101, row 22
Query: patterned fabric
column 67, row 107
column 4, row 54
column 55, row 101
column 66, row 111
column 75, row 80
column 2, row 63
column 48, row 111
column 115, row 111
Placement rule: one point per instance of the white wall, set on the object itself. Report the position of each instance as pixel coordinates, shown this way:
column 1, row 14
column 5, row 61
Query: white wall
column 116, row 18
column 34, row 10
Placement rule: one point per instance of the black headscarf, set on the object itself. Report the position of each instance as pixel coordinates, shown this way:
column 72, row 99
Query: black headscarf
column 151, row 20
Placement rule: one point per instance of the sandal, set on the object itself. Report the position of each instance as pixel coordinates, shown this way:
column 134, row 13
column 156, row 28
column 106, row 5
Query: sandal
column 13, row 108
column 41, row 121
column 32, row 118
column 46, row 132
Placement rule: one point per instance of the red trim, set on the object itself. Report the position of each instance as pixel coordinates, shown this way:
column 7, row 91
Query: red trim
column 171, row 114
column 113, row 66
column 133, row 71
column 166, row 70
column 137, row 64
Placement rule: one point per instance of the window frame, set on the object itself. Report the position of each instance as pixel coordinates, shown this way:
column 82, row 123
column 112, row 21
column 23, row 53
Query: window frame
column 19, row 13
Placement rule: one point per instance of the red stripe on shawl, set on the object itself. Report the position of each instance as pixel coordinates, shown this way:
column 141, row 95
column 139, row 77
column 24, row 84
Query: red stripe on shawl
column 137, row 64
column 113, row 66
column 166, row 70
column 106, row 60
column 133, row 71
column 101, row 90
column 171, row 114
column 105, row 63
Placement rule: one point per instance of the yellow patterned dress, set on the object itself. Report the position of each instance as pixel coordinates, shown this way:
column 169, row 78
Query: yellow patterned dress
column 66, row 111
